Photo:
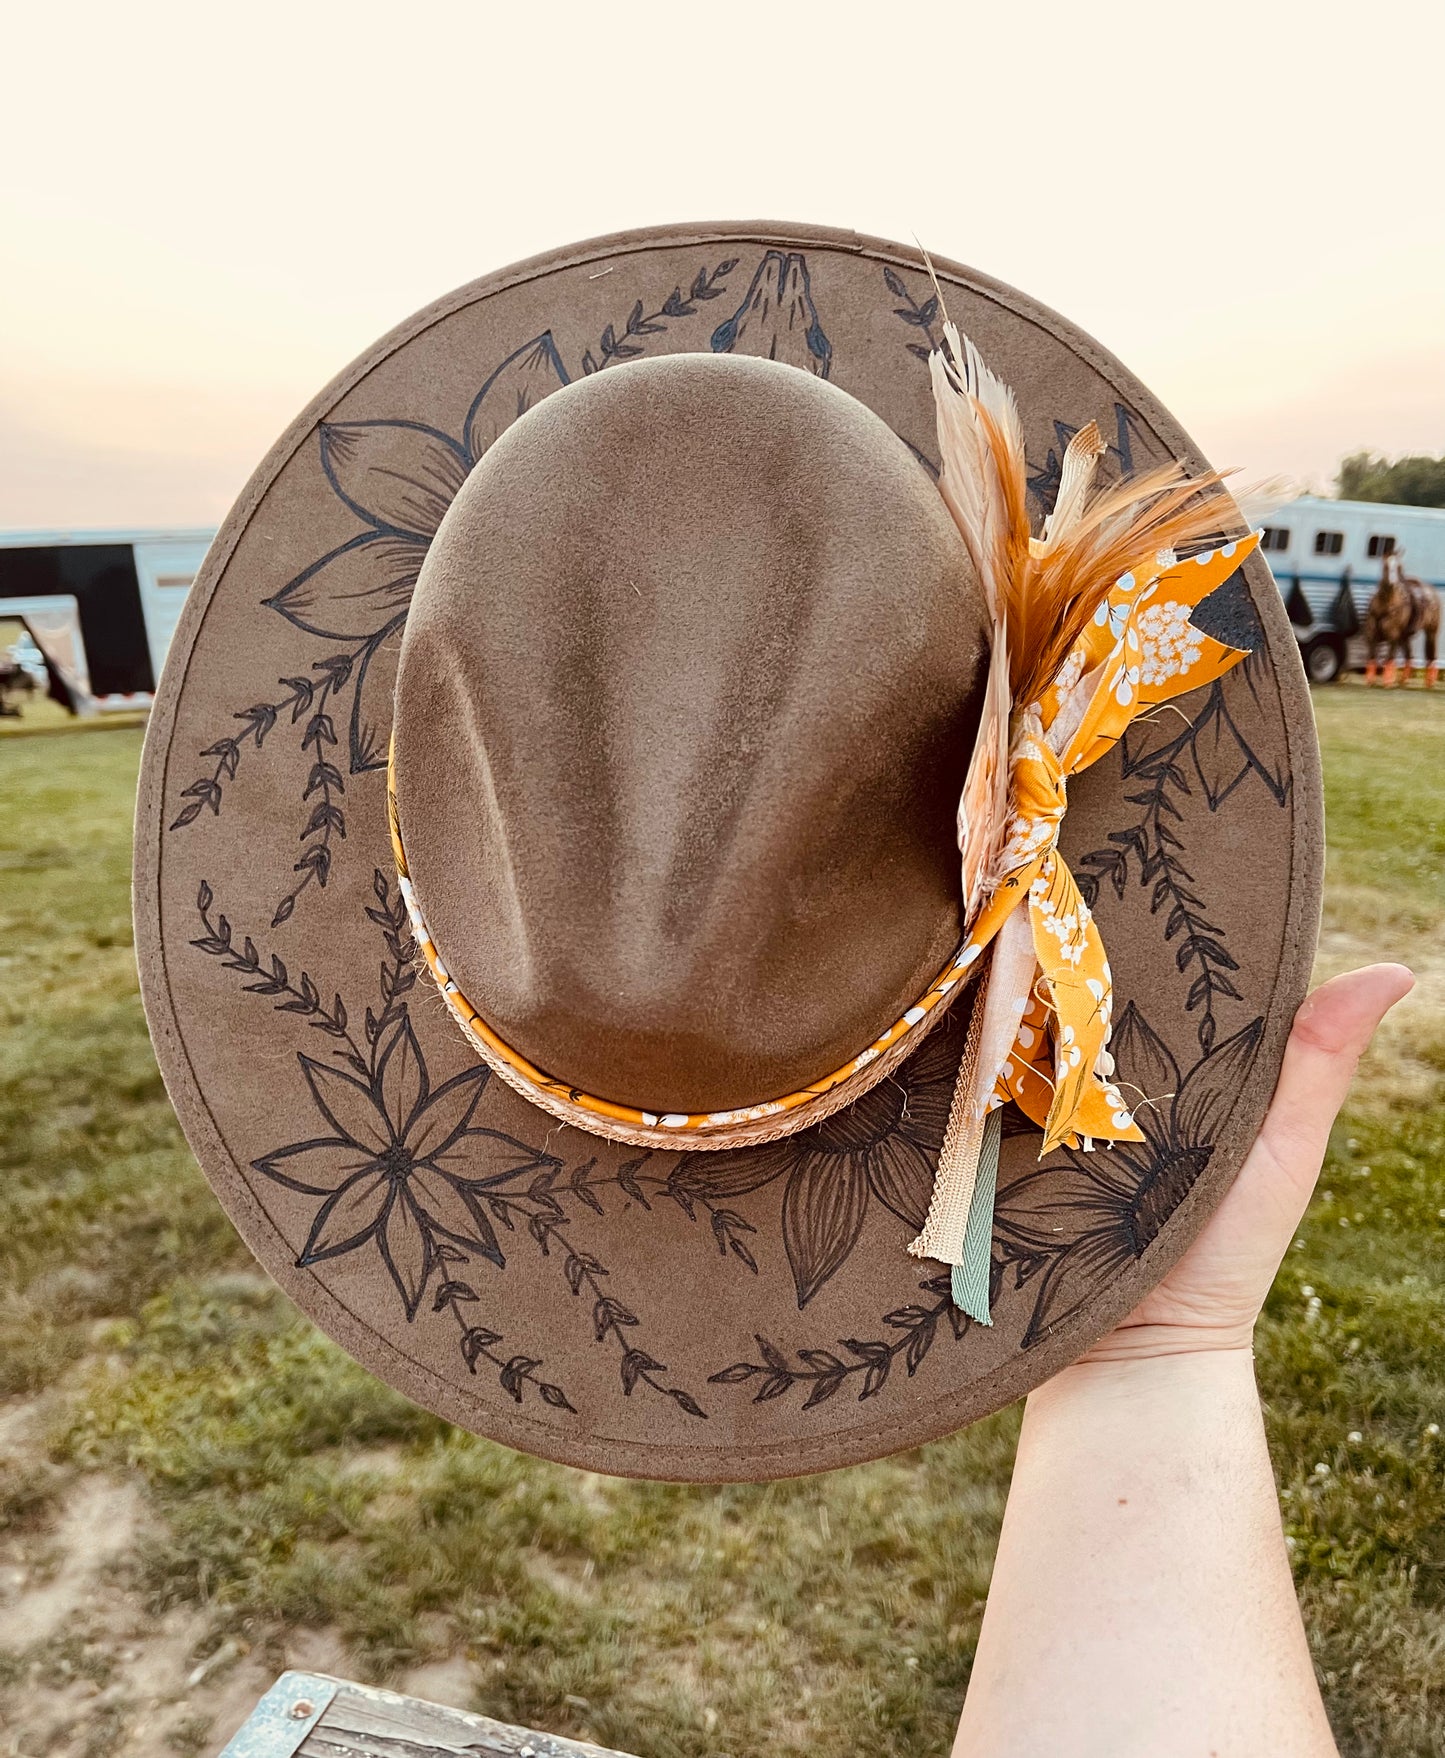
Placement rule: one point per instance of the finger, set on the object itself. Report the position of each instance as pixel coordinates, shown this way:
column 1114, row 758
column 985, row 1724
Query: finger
column 1330, row 1033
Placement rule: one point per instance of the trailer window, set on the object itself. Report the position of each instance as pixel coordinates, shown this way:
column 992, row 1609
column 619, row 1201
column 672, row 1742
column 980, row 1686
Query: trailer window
column 1380, row 546
column 1276, row 537
column 1329, row 542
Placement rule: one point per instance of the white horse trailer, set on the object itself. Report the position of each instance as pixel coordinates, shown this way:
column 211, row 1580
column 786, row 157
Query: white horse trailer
column 1327, row 557
column 101, row 605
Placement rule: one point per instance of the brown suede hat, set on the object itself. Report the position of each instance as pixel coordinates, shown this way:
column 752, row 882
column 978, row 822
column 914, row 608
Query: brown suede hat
column 629, row 566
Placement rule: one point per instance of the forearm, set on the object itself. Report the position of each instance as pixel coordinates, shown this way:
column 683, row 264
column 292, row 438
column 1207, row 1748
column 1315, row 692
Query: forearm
column 1141, row 1602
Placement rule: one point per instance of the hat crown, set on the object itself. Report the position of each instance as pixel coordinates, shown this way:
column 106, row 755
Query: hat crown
column 687, row 692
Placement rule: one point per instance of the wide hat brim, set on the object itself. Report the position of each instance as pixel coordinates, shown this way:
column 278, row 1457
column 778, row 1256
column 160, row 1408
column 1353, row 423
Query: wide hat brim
column 724, row 1315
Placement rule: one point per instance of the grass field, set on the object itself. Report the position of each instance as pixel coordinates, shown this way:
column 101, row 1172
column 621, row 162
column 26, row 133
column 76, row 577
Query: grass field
column 197, row 1489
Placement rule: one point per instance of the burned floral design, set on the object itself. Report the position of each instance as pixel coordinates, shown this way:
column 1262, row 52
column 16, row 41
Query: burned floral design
column 390, row 1166
column 881, row 1148
column 398, row 478
column 400, row 1167
column 1078, row 1222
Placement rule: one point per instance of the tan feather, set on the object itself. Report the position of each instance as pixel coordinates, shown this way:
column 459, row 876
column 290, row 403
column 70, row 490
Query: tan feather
column 1082, row 453
column 1257, row 500
column 967, row 476
column 1041, row 593
column 983, row 808
column 981, row 447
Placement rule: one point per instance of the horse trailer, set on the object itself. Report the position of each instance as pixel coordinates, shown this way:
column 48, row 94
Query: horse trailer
column 101, row 606
column 1328, row 557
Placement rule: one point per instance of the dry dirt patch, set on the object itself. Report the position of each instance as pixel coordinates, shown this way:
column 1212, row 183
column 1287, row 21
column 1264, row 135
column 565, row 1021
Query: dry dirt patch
column 85, row 1668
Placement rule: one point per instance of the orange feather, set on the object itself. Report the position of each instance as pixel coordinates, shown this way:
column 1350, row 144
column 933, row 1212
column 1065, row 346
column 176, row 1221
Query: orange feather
column 1041, row 592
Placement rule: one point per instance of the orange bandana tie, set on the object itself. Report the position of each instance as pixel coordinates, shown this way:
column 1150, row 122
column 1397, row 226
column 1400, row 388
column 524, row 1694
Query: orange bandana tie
column 1049, row 999
column 1140, row 651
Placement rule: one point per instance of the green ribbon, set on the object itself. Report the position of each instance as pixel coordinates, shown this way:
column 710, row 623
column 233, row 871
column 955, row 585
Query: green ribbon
column 971, row 1277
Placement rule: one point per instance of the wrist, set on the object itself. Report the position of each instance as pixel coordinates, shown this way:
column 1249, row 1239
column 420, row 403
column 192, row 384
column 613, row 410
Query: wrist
column 1140, row 1341
column 1165, row 1362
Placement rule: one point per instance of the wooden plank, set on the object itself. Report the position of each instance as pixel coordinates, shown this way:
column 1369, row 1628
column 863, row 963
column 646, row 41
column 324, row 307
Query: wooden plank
column 358, row 1721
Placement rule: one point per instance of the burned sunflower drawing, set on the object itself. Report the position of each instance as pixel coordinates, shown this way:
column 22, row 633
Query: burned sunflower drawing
column 882, row 1147
column 1076, row 1223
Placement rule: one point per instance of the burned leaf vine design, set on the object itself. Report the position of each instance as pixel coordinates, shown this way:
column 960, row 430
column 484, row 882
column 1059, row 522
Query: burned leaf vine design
column 639, row 324
column 727, row 1226
column 868, row 1361
column 584, row 1272
column 402, row 1167
column 923, row 318
column 398, row 478
column 308, row 698
column 1218, row 749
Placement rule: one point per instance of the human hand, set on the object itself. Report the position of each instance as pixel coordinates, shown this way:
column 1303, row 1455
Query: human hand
column 1142, row 1538
column 1212, row 1297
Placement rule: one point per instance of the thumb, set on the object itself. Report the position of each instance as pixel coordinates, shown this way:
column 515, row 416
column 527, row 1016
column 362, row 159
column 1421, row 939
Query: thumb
column 1331, row 1031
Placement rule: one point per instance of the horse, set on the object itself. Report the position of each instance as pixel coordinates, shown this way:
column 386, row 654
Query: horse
column 1401, row 608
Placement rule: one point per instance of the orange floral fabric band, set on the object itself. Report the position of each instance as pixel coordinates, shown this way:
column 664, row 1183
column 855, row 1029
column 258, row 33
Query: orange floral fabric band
column 1140, row 651
column 561, row 1098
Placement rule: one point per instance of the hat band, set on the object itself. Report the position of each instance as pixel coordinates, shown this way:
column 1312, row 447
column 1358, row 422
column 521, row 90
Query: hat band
column 1073, row 661
column 742, row 1126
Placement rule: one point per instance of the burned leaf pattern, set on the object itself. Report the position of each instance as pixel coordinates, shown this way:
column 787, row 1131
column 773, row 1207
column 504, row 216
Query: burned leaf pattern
column 924, row 317
column 630, row 340
column 398, row 478
column 1163, row 762
column 384, row 1166
column 400, row 1166
column 862, row 1365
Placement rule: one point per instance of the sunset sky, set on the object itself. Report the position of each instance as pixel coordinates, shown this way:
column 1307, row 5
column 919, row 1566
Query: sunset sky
column 205, row 212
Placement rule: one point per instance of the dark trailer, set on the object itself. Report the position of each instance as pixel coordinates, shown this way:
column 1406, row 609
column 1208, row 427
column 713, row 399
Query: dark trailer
column 101, row 606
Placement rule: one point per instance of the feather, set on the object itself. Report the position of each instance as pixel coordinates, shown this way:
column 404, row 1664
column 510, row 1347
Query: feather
column 1259, row 499
column 1000, row 437
column 1121, row 530
column 1041, row 592
column 968, row 479
column 983, row 480
column 1080, row 456
column 983, row 809
column 1045, row 591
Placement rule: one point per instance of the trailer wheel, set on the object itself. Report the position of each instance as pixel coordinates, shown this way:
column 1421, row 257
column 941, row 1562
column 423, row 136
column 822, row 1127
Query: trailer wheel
column 1324, row 658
